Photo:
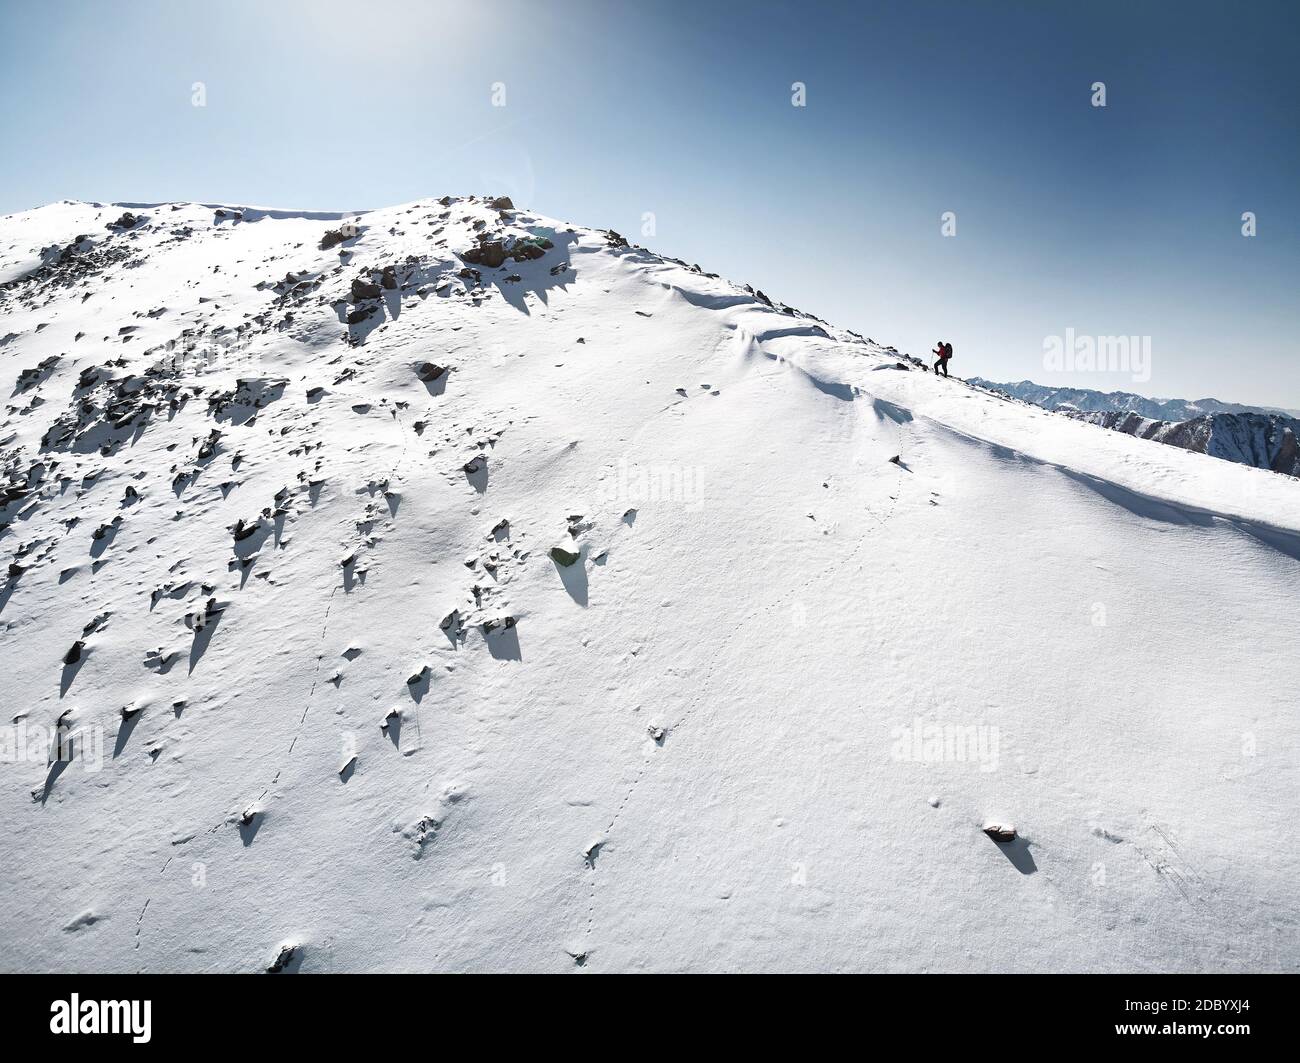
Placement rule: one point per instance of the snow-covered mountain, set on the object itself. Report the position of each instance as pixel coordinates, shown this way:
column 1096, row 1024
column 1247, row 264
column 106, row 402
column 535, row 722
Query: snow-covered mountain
column 1260, row 438
column 1263, row 440
column 1086, row 400
column 452, row 588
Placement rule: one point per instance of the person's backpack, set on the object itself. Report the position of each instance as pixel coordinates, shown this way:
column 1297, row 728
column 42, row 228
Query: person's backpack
column 947, row 351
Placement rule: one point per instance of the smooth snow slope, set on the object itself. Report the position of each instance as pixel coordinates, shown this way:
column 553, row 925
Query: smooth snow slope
column 757, row 579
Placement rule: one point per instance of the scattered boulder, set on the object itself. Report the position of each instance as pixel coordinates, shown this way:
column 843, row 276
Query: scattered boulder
column 563, row 556
column 1000, row 832
column 490, row 253
column 242, row 530
column 429, row 371
column 364, row 289
column 282, row 961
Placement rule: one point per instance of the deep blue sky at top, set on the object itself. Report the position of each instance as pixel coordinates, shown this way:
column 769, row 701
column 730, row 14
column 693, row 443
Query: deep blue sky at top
column 1122, row 220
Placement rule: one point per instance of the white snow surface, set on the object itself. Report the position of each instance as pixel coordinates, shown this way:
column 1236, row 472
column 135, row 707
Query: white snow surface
column 694, row 749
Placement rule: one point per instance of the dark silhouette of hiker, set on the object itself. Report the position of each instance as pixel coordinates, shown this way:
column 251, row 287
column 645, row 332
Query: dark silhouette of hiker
column 944, row 352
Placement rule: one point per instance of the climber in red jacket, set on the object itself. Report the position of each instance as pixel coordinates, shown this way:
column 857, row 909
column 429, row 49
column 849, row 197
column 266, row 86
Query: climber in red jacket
column 944, row 352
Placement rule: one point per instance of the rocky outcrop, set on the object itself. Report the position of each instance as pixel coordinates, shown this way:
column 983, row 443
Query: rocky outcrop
column 493, row 253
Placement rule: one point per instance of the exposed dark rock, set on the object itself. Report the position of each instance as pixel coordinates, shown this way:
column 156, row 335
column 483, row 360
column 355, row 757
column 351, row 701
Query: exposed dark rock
column 364, row 289
column 490, row 253
column 242, row 531
column 530, row 247
column 29, row 378
column 562, row 556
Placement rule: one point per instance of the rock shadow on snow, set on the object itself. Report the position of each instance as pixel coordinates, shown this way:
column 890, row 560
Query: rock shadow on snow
column 70, row 670
column 418, row 685
column 249, row 825
column 503, row 643
column 476, row 473
column 574, row 578
column 124, row 732
column 1017, row 852
column 203, row 637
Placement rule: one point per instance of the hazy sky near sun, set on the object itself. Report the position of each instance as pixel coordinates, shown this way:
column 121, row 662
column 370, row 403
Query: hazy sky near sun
column 1122, row 220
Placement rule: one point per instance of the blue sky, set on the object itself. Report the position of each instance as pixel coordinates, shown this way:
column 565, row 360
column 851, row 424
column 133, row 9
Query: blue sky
column 1123, row 220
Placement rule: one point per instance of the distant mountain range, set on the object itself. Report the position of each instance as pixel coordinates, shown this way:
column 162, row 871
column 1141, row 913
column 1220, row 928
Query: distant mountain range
column 1258, row 436
column 1085, row 400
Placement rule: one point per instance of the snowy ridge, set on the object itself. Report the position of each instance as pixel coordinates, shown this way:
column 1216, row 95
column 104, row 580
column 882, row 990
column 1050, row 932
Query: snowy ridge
column 479, row 592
